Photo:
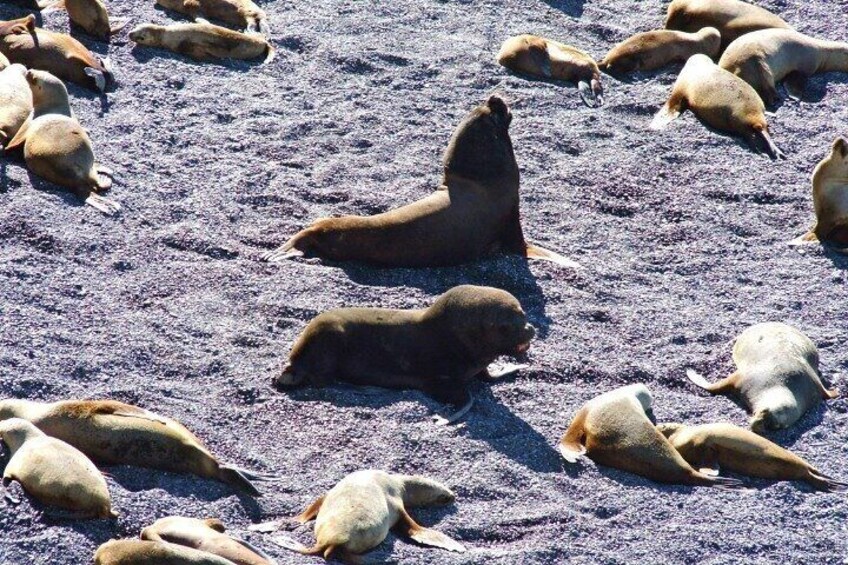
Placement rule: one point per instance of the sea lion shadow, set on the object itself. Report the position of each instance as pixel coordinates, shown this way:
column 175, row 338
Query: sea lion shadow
column 510, row 273
column 632, row 480
column 736, row 139
column 789, row 436
column 817, row 86
column 144, row 54
column 42, row 185
column 573, row 8
column 838, row 258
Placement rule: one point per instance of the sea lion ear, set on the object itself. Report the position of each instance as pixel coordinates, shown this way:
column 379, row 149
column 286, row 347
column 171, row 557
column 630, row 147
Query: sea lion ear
column 841, row 145
column 215, row 524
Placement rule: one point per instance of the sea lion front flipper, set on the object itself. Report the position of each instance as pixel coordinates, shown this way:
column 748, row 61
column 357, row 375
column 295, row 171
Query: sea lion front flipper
column 7, row 494
column 237, row 478
column 20, row 137
column 536, row 252
column 591, row 93
column 98, row 76
column 311, row 511
column 425, row 536
column 667, row 114
column 270, row 55
column 724, row 386
column 760, row 138
column 504, row 371
column 795, row 84
column 456, row 416
column 285, row 251
column 105, row 205
column 572, row 445
column 708, row 464
column 806, row 239
column 119, row 25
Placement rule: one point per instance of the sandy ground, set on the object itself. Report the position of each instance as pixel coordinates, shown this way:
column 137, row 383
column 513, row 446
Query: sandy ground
column 681, row 235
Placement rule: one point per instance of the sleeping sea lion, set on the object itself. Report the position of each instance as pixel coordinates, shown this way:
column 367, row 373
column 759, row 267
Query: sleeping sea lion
column 139, row 552
column 203, row 41
column 830, row 200
column 90, row 15
column 777, row 376
column 614, row 430
column 243, row 14
column 722, row 100
column 15, row 100
column 655, row 49
column 710, row 447
column 53, row 472
column 114, row 433
column 473, row 213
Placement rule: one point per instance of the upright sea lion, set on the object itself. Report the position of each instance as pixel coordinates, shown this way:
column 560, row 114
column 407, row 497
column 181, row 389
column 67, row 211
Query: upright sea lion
column 776, row 378
column 767, row 57
column 540, row 57
column 90, row 15
column 614, row 430
column 206, row 535
column 15, row 100
column 653, row 50
column 356, row 515
column 732, row 18
column 473, row 213
column 437, row 350
column 830, row 199
column 138, row 552
column 243, row 14
column 204, row 41
column 53, row 472
column 57, row 148
column 114, row 433
column 722, row 100
column 58, row 53
column 712, row 446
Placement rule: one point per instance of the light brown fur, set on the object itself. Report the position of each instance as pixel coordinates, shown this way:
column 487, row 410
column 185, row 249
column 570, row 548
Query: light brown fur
column 656, row 49
column 15, row 100
column 243, row 14
column 205, row 535
column 830, row 200
column 204, row 41
column 138, row 552
column 91, row 16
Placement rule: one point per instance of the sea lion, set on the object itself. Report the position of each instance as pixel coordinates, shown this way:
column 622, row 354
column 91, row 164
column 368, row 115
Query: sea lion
column 114, row 433
column 722, row 100
column 57, row 148
column 830, row 200
column 766, row 57
column 732, row 18
column 15, row 100
column 471, row 215
column 710, row 447
column 53, row 472
column 356, row 515
column 614, row 430
column 204, row 41
column 243, row 14
column 777, row 376
column 437, row 350
column 90, row 15
column 138, row 552
column 545, row 58
column 655, row 49
column 206, row 535
column 58, row 53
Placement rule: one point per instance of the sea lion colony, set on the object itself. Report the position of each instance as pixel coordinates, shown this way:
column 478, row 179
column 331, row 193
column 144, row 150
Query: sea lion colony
column 441, row 348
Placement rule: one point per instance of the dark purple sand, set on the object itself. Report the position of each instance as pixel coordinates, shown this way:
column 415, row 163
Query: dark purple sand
column 682, row 235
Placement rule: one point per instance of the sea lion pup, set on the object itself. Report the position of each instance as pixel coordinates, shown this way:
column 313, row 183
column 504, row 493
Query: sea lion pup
column 15, row 99
column 437, row 350
column 243, row 14
column 356, row 515
column 206, row 535
column 776, row 378
column 614, row 430
column 710, row 447
column 732, row 18
column 57, row 148
column 830, row 200
column 114, row 433
column 722, row 100
column 654, row 50
column 767, row 57
column 57, row 53
column 204, row 41
column 138, row 552
column 53, row 472
column 90, row 15
column 545, row 58
column 473, row 213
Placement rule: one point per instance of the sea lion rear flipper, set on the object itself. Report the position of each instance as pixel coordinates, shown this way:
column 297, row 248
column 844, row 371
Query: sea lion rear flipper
column 294, row 545
column 98, row 76
column 425, row 536
column 807, row 238
column 504, row 371
column 257, row 550
column 725, row 483
column 825, row 483
column 456, row 416
column 286, row 250
column 795, row 84
column 311, row 511
column 723, row 386
column 105, row 205
column 119, row 25
column 572, row 446
column 761, row 137
column 237, row 478
column 20, row 137
column 667, row 114
column 536, row 252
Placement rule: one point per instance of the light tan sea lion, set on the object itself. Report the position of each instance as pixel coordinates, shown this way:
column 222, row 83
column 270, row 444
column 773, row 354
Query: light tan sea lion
column 473, row 214
column 243, row 14
column 204, row 41
column 90, row 15
column 356, row 515
column 614, row 430
column 710, row 447
column 15, row 100
column 722, row 100
column 138, row 552
column 654, row 50
column 732, row 18
column 114, row 433
column 206, row 535
column 58, row 53
column 830, row 200
column 545, row 58
column 57, row 148
column 765, row 58
column 776, row 378
column 53, row 472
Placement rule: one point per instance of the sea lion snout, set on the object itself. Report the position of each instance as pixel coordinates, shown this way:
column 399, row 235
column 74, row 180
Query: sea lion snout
column 527, row 335
column 287, row 378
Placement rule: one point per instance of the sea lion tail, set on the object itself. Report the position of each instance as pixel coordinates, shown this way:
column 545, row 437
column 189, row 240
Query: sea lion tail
column 105, row 205
column 808, row 238
column 239, row 479
column 667, row 114
column 534, row 251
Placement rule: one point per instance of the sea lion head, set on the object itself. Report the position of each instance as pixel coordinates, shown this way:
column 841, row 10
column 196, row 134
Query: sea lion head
column 678, row 17
column 526, row 54
column 147, row 34
column 485, row 322
column 839, row 154
column 12, row 408
column 15, row 431
column 480, row 148
column 421, row 491
column 48, row 91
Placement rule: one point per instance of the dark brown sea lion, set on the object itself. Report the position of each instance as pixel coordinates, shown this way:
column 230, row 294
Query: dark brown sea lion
column 206, row 535
column 204, row 41
column 437, row 350
column 473, row 213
